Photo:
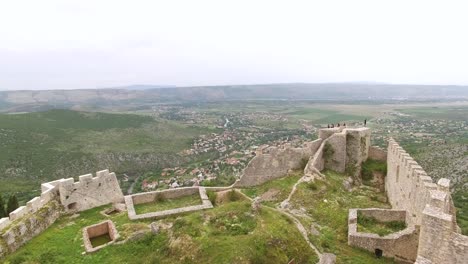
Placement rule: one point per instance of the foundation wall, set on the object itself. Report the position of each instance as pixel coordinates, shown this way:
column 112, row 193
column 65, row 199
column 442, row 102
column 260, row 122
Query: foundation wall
column 400, row 245
column 174, row 193
column 165, row 194
column 106, row 227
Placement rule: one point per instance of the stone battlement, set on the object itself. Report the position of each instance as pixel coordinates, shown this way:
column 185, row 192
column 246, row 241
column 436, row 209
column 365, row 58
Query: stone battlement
column 429, row 208
column 40, row 212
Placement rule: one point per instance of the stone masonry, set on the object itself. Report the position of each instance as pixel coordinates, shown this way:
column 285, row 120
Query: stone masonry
column 429, row 208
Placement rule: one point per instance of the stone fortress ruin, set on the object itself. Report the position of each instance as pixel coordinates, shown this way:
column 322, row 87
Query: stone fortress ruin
column 431, row 234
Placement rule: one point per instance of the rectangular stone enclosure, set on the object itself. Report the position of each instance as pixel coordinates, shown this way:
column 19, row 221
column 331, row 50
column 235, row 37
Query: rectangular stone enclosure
column 103, row 234
column 148, row 197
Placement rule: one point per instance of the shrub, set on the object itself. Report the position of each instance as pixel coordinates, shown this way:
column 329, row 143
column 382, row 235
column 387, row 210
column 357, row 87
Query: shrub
column 370, row 166
column 159, row 198
column 312, row 186
column 212, row 196
column 233, row 196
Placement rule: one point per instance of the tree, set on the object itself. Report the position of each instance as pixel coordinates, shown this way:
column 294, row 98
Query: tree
column 12, row 204
column 3, row 213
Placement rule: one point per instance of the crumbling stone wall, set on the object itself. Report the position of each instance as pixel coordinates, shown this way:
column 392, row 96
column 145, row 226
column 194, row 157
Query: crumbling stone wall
column 440, row 240
column 401, row 245
column 429, row 207
column 336, row 147
column 90, row 192
column 342, row 150
column 357, row 150
column 24, row 229
column 272, row 162
column 377, row 153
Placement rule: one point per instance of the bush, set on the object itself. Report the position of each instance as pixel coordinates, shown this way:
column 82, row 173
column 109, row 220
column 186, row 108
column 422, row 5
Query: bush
column 159, row 198
column 212, row 196
column 370, row 166
column 233, row 196
column 312, row 186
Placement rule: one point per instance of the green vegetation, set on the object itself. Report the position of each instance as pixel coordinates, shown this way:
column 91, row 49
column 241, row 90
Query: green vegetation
column 12, row 204
column 328, row 204
column 230, row 233
column 460, row 199
column 328, row 151
column 161, row 204
column 212, row 196
column 371, row 225
column 42, row 146
column 370, row 166
column 275, row 190
column 100, row 240
column 3, row 212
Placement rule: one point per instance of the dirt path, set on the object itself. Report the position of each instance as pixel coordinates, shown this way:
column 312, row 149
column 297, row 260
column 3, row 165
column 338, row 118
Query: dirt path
column 298, row 224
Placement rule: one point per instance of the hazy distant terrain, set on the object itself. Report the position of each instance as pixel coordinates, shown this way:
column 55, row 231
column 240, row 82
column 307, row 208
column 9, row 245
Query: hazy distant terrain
column 143, row 95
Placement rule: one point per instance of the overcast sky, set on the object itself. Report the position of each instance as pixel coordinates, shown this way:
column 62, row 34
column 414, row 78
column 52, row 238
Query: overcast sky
column 58, row 44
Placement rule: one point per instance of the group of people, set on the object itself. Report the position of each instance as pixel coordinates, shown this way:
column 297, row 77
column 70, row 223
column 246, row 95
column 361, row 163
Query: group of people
column 333, row 125
column 344, row 124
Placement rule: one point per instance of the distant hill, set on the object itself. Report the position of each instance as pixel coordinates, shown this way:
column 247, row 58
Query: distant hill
column 138, row 95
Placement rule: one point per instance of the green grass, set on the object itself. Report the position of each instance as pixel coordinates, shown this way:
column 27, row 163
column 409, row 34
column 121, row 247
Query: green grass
column 371, row 225
column 230, row 233
column 370, row 166
column 328, row 204
column 441, row 113
column 283, row 186
column 100, row 240
column 166, row 204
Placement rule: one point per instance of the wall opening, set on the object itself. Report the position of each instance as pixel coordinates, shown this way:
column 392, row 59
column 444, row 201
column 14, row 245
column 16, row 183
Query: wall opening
column 378, row 253
column 72, row 206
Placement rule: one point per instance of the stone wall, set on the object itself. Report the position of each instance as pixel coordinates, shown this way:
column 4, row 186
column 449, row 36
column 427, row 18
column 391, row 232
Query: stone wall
column 376, row 153
column 89, row 232
column 357, row 150
column 402, row 245
column 49, row 193
column 23, row 229
column 148, row 197
column 440, row 240
column 90, row 192
column 407, row 185
column 273, row 162
column 429, row 206
column 56, row 197
column 131, row 200
column 336, row 144
column 342, row 150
